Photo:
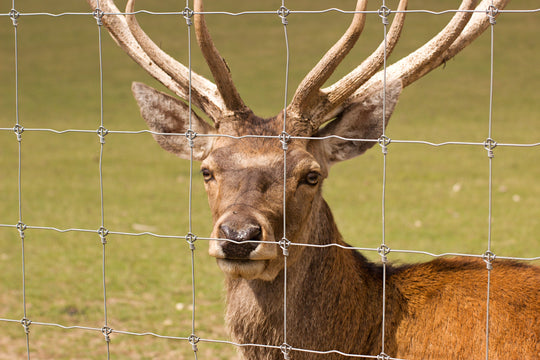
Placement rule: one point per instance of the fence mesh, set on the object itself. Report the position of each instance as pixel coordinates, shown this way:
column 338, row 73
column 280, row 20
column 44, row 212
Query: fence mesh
column 106, row 230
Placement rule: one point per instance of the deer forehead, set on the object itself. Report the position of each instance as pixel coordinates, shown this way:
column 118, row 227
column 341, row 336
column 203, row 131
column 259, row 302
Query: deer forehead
column 271, row 161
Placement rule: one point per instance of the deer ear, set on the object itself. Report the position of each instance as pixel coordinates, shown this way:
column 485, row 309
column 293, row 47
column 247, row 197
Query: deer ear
column 361, row 118
column 165, row 114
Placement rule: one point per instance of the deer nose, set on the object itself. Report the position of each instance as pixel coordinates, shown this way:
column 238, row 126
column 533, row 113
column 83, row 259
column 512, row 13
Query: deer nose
column 243, row 235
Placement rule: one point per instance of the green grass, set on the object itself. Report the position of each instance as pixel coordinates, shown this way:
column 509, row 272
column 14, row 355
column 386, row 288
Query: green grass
column 436, row 198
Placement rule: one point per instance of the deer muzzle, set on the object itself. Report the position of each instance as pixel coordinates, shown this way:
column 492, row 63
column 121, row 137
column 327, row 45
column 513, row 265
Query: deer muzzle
column 242, row 236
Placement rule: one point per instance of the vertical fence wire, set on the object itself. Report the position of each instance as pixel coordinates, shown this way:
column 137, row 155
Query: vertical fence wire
column 490, row 146
column 102, row 132
column 383, row 13
column 193, row 339
column 285, row 138
column 18, row 129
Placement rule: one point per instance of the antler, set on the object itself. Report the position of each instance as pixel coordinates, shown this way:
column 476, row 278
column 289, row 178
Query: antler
column 311, row 105
column 460, row 32
column 216, row 63
column 215, row 101
column 362, row 82
column 309, row 101
column 308, row 89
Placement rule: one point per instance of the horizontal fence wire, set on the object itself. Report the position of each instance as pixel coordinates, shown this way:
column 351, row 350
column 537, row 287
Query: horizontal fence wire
column 276, row 137
column 103, row 232
column 260, row 12
column 202, row 238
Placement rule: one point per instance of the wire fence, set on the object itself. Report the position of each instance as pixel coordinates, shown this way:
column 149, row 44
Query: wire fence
column 191, row 237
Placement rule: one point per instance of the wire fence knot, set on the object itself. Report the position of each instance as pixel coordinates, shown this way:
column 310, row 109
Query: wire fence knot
column 283, row 12
column 98, row 15
column 107, row 331
column 191, row 238
column 26, row 324
column 490, row 145
column 284, row 244
column 14, row 15
column 21, row 227
column 187, row 13
column 103, row 232
column 488, row 258
column 383, row 356
column 190, row 135
column 492, row 12
column 383, row 251
column 18, row 130
column 383, row 142
column 286, row 350
column 102, row 132
column 384, row 12
column 194, row 340
column 285, row 139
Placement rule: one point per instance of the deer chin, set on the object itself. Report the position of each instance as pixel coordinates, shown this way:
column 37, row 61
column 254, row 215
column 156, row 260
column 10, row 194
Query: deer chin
column 246, row 269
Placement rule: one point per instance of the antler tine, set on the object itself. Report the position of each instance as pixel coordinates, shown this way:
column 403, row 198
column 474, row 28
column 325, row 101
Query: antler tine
column 346, row 86
column 216, row 63
column 415, row 64
column 476, row 26
column 466, row 28
column 308, row 89
column 421, row 61
column 206, row 95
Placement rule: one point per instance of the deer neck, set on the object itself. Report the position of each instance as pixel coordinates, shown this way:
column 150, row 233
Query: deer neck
column 325, row 288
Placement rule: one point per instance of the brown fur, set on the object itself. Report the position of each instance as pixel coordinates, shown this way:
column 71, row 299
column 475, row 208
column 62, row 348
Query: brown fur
column 434, row 310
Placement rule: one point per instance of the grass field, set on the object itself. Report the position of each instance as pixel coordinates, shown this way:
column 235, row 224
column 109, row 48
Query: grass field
column 436, row 197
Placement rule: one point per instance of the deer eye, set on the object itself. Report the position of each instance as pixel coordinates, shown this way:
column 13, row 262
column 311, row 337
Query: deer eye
column 207, row 174
column 312, row 178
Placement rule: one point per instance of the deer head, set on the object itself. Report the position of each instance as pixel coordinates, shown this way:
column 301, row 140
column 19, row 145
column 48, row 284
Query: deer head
column 244, row 163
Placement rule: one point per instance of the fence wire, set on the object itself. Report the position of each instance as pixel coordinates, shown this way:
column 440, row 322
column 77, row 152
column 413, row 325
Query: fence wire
column 383, row 250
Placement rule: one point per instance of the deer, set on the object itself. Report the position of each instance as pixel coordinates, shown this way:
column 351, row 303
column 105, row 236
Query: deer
column 271, row 222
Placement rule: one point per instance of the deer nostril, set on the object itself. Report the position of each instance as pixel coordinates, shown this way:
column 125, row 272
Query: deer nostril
column 242, row 237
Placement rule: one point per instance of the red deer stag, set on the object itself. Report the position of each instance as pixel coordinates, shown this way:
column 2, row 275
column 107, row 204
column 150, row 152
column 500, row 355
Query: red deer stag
column 434, row 310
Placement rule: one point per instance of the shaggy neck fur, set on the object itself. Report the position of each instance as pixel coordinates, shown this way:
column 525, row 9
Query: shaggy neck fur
column 320, row 300
column 434, row 310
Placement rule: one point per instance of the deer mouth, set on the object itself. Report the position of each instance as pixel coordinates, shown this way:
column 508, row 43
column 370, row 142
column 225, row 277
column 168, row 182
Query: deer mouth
column 248, row 259
column 242, row 268
column 243, row 252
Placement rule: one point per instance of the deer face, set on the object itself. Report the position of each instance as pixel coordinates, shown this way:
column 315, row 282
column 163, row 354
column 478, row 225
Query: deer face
column 253, row 186
column 247, row 180
column 244, row 180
